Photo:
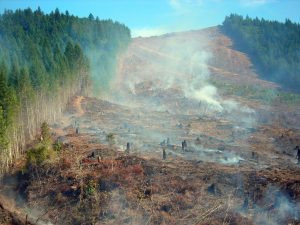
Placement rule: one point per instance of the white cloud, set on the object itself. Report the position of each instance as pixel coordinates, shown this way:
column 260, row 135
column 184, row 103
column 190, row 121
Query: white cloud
column 174, row 4
column 249, row 3
column 147, row 32
column 182, row 6
column 178, row 3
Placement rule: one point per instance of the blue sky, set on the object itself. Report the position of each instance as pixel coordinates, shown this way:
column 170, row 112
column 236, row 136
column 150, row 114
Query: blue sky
column 152, row 17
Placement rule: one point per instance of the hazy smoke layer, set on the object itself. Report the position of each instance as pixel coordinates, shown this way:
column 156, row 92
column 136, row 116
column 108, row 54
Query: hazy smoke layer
column 171, row 73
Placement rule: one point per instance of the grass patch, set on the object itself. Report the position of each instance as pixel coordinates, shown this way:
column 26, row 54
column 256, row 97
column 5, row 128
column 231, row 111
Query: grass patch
column 264, row 95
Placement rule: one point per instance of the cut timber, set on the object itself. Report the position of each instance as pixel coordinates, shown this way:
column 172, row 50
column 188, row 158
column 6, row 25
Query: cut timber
column 9, row 215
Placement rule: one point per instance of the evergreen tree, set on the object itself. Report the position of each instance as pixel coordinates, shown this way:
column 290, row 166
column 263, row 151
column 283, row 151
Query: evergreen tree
column 91, row 17
column 14, row 76
column 45, row 135
column 45, row 65
column 273, row 47
column 3, row 136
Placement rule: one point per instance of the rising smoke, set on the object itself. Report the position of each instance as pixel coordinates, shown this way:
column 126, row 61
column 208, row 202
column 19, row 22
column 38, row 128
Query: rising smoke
column 172, row 73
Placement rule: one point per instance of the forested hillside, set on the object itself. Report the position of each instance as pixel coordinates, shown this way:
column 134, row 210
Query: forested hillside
column 45, row 59
column 274, row 47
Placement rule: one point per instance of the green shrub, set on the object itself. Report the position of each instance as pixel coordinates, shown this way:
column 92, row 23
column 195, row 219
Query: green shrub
column 43, row 151
column 111, row 138
column 57, row 146
column 90, row 188
column 38, row 155
column 45, row 135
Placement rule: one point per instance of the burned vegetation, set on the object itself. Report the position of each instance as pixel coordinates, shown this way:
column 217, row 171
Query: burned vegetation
column 97, row 178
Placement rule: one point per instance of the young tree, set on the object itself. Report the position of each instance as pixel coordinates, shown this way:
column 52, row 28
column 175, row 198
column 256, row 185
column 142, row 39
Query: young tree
column 13, row 79
column 45, row 135
column 91, row 17
column 3, row 140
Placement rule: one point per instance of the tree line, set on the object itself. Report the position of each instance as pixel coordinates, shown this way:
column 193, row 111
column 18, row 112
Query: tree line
column 274, row 47
column 45, row 59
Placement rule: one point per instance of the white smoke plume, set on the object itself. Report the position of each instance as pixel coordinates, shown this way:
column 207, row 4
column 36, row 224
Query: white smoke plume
column 171, row 73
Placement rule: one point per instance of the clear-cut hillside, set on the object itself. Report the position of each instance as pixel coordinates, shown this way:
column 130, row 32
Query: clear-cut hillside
column 170, row 55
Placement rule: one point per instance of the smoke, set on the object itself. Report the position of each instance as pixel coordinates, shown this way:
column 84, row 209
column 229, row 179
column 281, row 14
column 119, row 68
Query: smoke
column 14, row 202
column 148, row 32
column 275, row 208
column 208, row 94
column 172, row 73
column 103, row 66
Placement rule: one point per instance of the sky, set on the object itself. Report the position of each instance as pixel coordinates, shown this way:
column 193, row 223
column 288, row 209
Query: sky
column 155, row 17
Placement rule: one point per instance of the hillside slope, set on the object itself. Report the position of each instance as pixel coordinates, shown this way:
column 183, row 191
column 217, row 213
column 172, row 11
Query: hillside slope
column 203, row 66
column 272, row 46
column 145, row 56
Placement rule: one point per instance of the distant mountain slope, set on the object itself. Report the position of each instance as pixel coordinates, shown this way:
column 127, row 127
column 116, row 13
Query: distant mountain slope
column 170, row 56
column 203, row 66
